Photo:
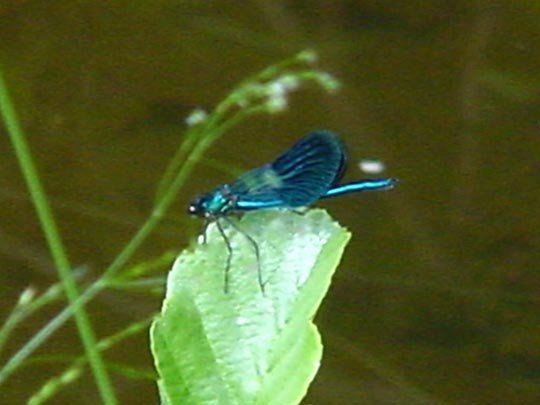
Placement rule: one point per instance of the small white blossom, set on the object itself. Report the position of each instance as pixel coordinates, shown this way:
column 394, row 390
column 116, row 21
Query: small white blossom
column 308, row 56
column 27, row 296
column 276, row 103
column 329, row 82
column 196, row 117
column 289, row 82
column 371, row 166
column 276, row 89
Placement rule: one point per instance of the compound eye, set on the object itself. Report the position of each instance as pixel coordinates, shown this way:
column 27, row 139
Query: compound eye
column 193, row 209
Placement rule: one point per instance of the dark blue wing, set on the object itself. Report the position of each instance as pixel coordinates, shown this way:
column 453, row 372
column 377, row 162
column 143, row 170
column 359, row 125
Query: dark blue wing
column 297, row 178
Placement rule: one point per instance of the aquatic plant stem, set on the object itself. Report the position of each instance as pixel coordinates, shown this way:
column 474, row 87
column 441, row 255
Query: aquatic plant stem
column 54, row 241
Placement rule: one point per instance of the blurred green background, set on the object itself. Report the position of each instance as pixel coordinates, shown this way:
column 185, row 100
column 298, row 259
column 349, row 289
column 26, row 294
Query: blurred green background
column 437, row 299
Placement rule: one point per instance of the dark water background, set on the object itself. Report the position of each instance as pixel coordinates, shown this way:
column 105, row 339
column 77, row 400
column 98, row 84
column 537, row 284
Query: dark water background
column 437, row 299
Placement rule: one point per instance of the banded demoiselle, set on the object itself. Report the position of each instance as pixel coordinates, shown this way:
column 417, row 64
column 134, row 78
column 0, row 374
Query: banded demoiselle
column 307, row 172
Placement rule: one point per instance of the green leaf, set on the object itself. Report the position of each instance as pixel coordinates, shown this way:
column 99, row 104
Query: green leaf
column 243, row 346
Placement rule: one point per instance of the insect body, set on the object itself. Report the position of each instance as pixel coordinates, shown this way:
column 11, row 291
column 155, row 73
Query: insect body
column 307, row 172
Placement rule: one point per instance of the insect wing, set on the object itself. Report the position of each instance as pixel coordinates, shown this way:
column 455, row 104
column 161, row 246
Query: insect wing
column 258, row 188
column 297, row 178
column 309, row 168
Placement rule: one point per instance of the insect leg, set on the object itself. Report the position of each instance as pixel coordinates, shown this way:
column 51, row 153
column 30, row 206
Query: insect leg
column 253, row 243
column 229, row 257
column 205, row 228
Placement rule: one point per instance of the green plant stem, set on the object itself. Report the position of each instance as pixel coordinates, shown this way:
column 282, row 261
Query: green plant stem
column 55, row 292
column 75, row 370
column 54, row 242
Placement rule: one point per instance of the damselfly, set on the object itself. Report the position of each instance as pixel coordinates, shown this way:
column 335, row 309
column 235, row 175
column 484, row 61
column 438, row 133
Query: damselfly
column 307, row 172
